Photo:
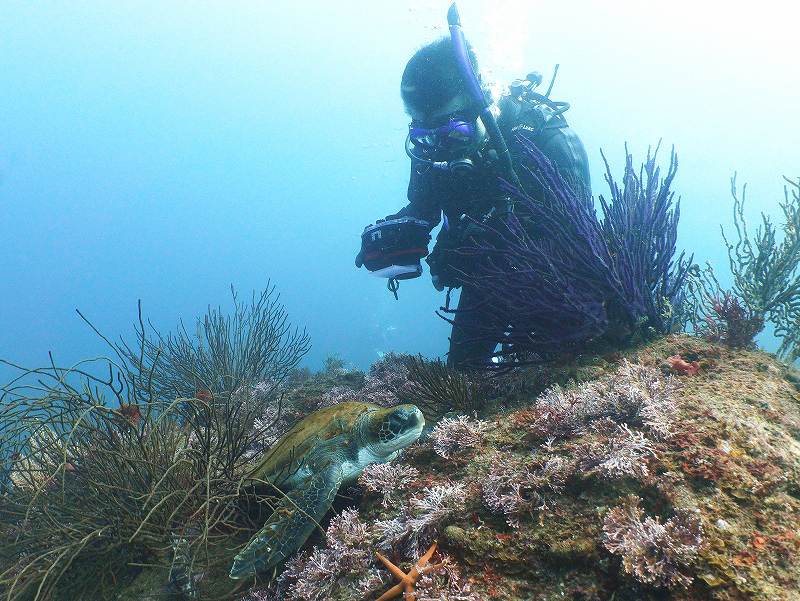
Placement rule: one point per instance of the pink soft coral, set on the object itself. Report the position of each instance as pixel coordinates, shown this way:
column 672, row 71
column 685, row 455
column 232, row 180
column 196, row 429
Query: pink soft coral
column 654, row 552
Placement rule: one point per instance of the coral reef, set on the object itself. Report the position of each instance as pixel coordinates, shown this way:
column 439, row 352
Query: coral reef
column 604, row 477
column 632, row 484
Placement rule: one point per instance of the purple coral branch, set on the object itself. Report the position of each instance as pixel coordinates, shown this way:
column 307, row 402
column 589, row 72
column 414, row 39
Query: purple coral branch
column 554, row 276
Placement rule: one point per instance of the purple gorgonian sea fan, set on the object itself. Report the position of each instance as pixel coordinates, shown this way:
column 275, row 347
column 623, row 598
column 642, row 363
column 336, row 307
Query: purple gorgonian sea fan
column 553, row 276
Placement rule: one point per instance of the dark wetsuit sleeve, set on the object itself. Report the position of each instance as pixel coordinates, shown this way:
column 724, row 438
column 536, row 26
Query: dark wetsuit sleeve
column 424, row 195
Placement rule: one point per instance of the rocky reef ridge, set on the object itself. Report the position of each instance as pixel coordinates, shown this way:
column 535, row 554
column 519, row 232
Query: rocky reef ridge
column 631, row 479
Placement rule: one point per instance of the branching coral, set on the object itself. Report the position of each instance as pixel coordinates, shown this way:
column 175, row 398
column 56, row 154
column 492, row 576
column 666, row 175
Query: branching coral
column 388, row 479
column 413, row 530
column 515, row 487
column 346, row 562
column 635, row 394
column 732, row 322
column 766, row 282
column 452, row 435
column 107, row 492
column 273, row 422
column 336, row 395
column 387, row 380
column 620, row 452
column 386, row 383
column 557, row 277
column 653, row 552
column 719, row 315
column 765, row 270
column 111, row 473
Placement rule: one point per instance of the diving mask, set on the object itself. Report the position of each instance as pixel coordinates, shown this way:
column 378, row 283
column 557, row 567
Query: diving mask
column 448, row 147
column 456, row 133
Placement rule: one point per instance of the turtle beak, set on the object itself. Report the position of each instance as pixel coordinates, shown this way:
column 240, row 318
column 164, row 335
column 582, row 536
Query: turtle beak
column 403, row 425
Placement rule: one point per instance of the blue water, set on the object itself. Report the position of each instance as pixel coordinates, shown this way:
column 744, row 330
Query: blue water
column 164, row 151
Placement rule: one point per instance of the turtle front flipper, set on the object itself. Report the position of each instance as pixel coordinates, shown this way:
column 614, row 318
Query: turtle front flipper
column 293, row 520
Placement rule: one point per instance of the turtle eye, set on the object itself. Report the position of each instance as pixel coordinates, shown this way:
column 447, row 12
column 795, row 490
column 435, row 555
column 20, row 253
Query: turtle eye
column 393, row 425
column 398, row 422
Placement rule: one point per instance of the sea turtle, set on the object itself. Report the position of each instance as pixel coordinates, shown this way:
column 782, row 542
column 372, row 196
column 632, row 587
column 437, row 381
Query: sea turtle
column 310, row 462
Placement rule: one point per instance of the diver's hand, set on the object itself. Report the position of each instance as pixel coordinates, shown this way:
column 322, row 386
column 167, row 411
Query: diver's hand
column 360, row 256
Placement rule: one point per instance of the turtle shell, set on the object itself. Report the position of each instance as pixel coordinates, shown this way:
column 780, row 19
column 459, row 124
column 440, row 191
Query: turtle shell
column 286, row 455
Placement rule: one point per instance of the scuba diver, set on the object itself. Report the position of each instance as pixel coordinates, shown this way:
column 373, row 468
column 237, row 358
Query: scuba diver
column 459, row 153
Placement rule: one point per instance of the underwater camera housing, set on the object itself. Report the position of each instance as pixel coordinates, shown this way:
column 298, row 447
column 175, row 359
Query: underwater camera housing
column 393, row 248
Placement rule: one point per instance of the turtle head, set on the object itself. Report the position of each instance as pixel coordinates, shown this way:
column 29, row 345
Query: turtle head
column 386, row 431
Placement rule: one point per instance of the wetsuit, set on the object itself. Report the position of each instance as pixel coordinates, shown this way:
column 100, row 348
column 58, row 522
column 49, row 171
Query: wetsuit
column 433, row 192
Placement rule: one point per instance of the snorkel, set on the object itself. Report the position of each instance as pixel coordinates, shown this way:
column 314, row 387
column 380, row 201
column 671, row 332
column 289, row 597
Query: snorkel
column 476, row 92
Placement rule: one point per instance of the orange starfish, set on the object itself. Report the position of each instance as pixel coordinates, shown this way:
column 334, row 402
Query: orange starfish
column 407, row 581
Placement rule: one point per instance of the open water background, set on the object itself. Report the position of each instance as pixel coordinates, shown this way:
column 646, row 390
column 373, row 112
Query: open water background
column 164, row 151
